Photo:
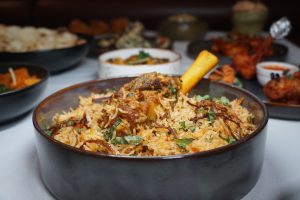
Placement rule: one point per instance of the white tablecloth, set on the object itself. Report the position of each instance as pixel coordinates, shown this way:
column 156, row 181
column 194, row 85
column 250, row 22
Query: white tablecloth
column 19, row 171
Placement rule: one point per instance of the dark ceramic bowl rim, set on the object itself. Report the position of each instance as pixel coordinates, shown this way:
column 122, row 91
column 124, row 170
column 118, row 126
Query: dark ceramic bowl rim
column 43, row 79
column 109, row 156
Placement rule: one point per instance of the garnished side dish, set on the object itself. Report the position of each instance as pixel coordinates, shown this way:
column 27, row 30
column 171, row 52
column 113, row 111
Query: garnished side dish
column 133, row 37
column 143, row 58
column 16, row 79
column 151, row 116
column 284, row 89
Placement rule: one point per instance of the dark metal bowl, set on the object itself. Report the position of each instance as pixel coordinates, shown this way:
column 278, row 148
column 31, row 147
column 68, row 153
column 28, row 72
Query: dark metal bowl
column 17, row 102
column 227, row 172
column 55, row 60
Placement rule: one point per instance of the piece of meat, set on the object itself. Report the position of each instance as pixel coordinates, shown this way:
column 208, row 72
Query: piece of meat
column 78, row 26
column 226, row 74
column 104, row 147
column 245, row 52
column 136, row 101
column 245, row 65
column 284, row 89
column 152, row 81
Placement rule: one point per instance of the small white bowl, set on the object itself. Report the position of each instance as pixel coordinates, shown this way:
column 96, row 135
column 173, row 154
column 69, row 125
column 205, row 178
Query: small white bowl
column 108, row 70
column 264, row 75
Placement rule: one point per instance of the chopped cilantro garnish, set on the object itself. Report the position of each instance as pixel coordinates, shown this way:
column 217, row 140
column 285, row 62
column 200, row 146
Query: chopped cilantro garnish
column 3, row 89
column 238, row 83
column 70, row 123
column 186, row 127
column 211, row 116
column 192, row 128
column 200, row 98
column 182, row 125
column 201, row 110
column 118, row 140
column 108, row 135
column 129, row 139
column 48, row 131
column 132, row 139
column 229, row 140
column 182, row 143
column 223, row 100
column 250, row 119
column 172, row 90
column 143, row 55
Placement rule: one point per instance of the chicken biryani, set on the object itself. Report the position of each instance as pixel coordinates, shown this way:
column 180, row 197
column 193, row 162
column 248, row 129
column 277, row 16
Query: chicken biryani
column 150, row 116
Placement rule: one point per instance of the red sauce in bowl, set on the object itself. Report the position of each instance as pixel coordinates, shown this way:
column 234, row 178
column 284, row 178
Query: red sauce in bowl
column 276, row 67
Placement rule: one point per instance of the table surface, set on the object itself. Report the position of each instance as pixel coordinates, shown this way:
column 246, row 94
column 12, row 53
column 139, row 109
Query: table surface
column 19, row 171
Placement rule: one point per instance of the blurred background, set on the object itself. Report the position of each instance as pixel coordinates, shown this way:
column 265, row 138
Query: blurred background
column 217, row 13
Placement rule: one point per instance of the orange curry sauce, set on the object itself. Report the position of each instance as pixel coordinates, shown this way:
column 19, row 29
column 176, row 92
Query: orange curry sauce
column 276, row 67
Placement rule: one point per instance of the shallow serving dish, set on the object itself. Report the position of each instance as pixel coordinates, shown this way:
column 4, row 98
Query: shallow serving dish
column 71, row 173
column 109, row 70
column 55, row 60
column 17, row 102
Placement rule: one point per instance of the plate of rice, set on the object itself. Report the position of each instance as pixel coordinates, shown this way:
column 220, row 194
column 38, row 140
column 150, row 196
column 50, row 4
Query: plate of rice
column 149, row 116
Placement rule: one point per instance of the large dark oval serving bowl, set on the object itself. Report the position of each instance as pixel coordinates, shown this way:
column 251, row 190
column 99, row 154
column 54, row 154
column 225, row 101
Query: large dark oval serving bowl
column 55, row 60
column 228, row 172
column 15, row 103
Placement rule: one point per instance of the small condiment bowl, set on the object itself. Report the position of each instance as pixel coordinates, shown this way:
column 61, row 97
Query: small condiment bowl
column 266, row 70
column 109, row 70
